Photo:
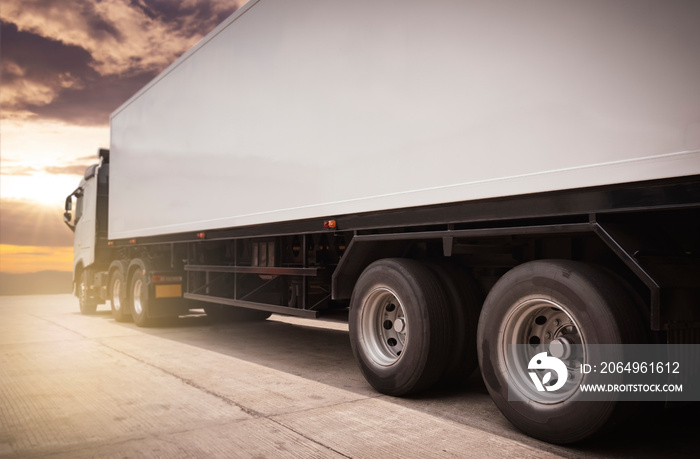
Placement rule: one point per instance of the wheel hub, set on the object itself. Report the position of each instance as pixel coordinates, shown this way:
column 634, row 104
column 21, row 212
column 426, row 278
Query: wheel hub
column 541, row 325
column 384, row 327
column 561, row 348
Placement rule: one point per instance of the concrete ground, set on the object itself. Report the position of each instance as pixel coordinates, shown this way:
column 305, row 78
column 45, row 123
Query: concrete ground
column 75, row 386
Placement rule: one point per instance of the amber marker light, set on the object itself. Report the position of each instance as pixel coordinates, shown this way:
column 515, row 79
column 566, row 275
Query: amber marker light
column 330, row 224
column 201, row 235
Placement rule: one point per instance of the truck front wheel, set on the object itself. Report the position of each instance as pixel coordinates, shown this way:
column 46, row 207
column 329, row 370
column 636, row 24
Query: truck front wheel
column 563, row 308
column 400, row 326
column 88, row 305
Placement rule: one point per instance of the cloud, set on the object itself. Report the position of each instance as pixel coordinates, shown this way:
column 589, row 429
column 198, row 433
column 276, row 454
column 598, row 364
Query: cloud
column 77, row 64
column 73, row 169
column 19, row 171
column 26, row 259
column 100, row 28
column 92, row 103
column 87, row 159
column 36, row 69
column 76, row 167
column 41, row 143
column 26, row 223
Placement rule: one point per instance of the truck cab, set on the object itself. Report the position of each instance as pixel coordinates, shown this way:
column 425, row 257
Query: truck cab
column 86, row 215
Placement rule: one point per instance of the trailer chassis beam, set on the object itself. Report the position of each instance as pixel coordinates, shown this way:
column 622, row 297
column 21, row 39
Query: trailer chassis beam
column 253, row 305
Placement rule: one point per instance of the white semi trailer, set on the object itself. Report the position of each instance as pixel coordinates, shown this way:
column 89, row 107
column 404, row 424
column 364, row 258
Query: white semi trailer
column 409, row 161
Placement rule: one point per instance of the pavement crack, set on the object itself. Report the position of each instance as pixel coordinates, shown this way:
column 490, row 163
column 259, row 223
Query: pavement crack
column 311, row 439
column 189, row 382
column 186, row 381
column 75, row 332
column 249, row 411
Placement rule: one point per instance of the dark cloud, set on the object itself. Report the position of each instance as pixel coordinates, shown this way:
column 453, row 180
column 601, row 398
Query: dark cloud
column 92, row 103
column 191, row 17
column 33, row 64
column 35, row 69
column 46, row 77
column 101, row 27
column 98, row 26
column 30, row 224
column 41, row 58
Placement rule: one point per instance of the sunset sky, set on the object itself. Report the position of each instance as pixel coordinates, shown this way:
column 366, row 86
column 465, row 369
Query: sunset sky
column 65, row 67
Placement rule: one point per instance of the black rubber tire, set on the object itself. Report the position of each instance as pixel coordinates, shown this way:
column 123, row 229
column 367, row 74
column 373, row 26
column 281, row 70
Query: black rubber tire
column 139, row 299
column 221, row 313
column 118, row 297
column 426, row 320
column 465, row 299
column 87, row 305
column 604, row 313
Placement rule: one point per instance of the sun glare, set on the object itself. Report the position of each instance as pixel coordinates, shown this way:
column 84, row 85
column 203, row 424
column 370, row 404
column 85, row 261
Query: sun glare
column 46, row 189
column 30, row 151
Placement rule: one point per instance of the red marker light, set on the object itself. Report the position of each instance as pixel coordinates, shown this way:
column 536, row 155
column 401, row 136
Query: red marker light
column 330, row 224
column 201, row 235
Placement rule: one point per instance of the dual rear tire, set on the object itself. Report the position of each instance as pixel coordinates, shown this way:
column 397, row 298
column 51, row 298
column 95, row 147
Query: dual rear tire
column 413, row 324
column 403, row 332
column 566, row 307
column 130, row 300
column 119, row 297
column 140, row 299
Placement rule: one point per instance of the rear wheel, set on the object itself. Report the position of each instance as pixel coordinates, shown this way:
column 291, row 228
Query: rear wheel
column 560, row 307
column 88, row 305
column 139, row 299
column 118, row 297
column 400, row 326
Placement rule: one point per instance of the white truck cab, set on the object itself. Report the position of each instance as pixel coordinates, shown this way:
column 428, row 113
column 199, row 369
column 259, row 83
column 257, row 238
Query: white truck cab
column 88, row 221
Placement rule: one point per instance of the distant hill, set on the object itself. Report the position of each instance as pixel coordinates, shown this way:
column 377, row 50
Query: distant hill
column 39, row 283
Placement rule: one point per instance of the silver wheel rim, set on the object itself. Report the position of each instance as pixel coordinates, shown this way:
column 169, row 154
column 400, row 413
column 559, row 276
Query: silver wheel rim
column 116, row 287
column 83, row 291
column 138, row 307
column 540, row 325
column 83, row 288
column 384, row 329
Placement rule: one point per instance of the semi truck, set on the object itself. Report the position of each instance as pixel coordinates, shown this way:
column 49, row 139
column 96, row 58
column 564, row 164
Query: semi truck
column 457, row 177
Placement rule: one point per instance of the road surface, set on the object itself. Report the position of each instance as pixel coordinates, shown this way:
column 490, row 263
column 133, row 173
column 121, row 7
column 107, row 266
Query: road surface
column 76, row 386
